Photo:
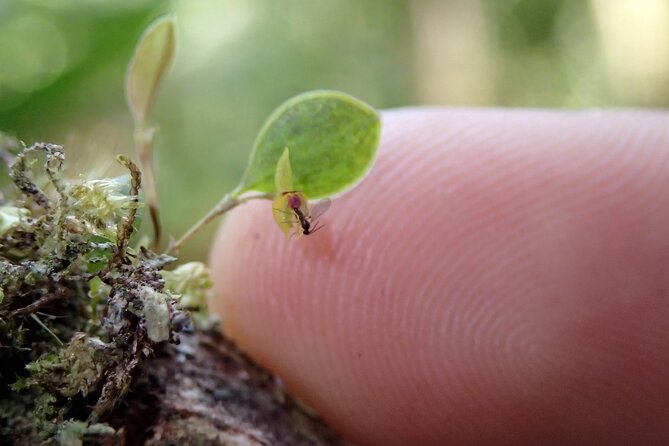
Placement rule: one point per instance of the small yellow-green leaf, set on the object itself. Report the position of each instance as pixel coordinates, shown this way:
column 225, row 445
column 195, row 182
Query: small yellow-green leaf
column 282, row 214
column 332, row 139
column 283, row 177
column 152, row 58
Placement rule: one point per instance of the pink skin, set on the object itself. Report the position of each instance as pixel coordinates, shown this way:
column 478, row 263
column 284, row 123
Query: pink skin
column 522, row 297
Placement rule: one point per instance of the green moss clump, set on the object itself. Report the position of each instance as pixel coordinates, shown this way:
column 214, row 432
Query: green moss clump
column 81, row 310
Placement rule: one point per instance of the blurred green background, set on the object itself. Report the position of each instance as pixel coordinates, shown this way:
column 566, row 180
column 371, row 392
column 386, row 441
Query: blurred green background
column 62, row 65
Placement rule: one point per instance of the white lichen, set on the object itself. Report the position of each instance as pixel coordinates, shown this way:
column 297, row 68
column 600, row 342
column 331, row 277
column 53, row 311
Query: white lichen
column 156, row 313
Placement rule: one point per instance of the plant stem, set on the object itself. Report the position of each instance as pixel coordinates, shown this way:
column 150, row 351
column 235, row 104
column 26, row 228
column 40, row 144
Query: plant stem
column 43, row 325
column 58, row 294
column 229, row 201
column 144, row 148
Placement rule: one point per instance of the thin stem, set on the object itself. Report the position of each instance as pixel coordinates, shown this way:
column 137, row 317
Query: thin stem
column 229, row 201
column 43, row 325
column 144, row 147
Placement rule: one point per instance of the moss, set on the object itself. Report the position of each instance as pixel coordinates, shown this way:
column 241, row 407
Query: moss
column 81, row 309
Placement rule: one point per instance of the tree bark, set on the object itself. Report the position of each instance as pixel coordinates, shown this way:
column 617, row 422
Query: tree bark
column 203, row 392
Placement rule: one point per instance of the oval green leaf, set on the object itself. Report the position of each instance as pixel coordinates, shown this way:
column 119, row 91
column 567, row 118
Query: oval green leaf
column 332, row 138
column 152, row 58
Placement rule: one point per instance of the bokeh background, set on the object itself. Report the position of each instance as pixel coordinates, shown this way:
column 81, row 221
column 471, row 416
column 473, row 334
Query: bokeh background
column 62, row 65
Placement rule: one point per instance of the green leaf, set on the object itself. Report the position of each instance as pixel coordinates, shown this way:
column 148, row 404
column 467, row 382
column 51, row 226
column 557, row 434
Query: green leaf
column 332, row 138
column 152, row 58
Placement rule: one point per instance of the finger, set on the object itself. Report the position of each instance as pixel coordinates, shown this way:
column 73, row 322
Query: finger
column 501, row 277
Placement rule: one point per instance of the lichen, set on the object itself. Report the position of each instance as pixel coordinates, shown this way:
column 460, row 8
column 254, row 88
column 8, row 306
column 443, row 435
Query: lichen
column 156, row 313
